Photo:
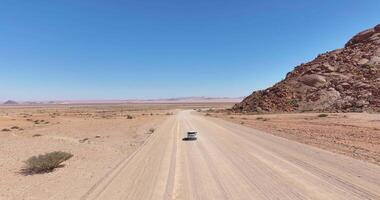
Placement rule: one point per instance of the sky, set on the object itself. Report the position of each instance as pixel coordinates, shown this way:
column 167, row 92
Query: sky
column 91, row 49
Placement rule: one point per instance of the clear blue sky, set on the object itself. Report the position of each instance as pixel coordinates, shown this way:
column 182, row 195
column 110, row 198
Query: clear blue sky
column 77, row 49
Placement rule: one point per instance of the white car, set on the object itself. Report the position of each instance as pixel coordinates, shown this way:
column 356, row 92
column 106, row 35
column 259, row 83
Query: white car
column 191, row 135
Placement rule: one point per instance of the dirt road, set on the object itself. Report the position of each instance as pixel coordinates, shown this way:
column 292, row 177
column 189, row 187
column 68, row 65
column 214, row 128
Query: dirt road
column 229, row 161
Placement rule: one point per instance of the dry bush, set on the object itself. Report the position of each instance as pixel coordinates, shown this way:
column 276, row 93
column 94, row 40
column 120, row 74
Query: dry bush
column 36, row 135
column 45, row 163
column 129, row 117
column 6, row 129
column 15, row 127
column 323, row 115
column 151, row 130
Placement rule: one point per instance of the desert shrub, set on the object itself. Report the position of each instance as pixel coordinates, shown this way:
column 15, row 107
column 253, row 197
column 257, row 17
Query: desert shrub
column 6, row 129
column 83, row 140
column 207, row 114
column 242, row 122
column 151, row 130
column 323, row 115
column 168, row 113
column 232, row 117
column 243, row 118
column 368, row 66
column 45, row 163
column 129, row 117
column 36, row 135
column 262, row 119
column 15, row 127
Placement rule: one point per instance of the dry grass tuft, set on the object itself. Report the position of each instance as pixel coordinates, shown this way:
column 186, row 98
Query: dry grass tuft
column 45, row 163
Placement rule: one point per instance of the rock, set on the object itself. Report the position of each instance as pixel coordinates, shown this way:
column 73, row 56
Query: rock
column 313, row 80
column 377, row 28
column 345, row 85
column 363, row 61
column 343, row 80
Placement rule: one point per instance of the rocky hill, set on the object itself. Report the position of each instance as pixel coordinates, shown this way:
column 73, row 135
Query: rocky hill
column 10, row 102
column 343, row 80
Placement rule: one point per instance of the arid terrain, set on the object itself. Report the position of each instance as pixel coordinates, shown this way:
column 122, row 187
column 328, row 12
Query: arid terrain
column 353, row 134
column 117, row 156
column 343, row 80
column 99, row 137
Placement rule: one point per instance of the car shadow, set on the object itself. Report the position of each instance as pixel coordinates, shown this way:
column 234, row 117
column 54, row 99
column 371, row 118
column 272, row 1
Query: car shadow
column 189, row 139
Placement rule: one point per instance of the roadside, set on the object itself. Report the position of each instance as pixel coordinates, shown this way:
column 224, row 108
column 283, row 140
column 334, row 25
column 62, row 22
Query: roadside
column 98, row 137
column 353, row 134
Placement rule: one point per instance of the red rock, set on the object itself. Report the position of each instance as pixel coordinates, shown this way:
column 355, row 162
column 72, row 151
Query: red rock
column 342, row 80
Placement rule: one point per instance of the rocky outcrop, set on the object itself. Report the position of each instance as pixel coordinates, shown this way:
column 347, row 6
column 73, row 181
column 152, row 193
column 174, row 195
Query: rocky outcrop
column 343, row 80
column 10, row 102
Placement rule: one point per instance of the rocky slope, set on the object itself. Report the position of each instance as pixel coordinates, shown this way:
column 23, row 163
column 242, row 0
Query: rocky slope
column 343, row 80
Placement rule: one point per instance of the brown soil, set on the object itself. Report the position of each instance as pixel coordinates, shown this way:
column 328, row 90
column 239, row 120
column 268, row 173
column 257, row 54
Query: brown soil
column 352, row 134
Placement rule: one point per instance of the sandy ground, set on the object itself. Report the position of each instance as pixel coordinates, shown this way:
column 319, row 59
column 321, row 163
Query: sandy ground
column 353, row 134
column 115, row 158
column 99, row 137
column 231, row 161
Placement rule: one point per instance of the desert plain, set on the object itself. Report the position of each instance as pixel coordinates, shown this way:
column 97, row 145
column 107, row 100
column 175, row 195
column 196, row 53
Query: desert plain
column 99, row 136
column 105, row 138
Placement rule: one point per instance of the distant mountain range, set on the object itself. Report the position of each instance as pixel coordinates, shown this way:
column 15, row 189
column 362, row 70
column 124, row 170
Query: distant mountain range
column 163, row 100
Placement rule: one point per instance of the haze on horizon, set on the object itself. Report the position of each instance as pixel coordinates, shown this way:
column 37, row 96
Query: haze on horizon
column 149, row 49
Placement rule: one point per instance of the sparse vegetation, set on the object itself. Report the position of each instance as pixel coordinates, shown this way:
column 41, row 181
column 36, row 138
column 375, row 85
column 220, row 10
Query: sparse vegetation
column 5, row 129
column 15, row 127
column 129, row 117
column 151, row 130
column 84, row 140
column 242, row 122
column 45, row 163
column 36, row 135
column 368, row 66
column 262, row 119
column 323, row 115
column 207, row 114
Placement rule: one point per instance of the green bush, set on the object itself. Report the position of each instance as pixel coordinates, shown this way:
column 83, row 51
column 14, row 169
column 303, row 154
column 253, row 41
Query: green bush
column 45, row 163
